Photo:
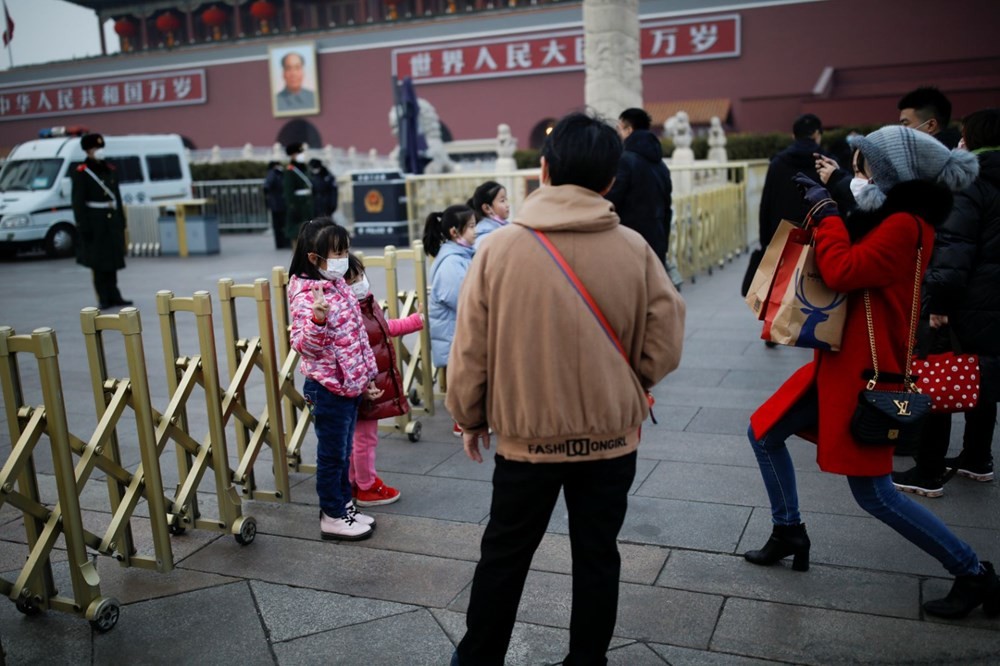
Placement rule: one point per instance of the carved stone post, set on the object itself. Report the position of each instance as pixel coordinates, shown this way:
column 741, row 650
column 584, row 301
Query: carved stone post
column 611, row 52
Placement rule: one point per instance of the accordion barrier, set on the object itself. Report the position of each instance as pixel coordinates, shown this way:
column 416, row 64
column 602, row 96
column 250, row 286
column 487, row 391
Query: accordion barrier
column 208, row 441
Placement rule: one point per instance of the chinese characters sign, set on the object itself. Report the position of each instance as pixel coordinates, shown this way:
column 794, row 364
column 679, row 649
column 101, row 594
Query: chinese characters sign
column 118, row 94
column 659, row 42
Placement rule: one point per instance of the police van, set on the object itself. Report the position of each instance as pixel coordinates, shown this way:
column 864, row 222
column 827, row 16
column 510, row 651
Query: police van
column 36, row 184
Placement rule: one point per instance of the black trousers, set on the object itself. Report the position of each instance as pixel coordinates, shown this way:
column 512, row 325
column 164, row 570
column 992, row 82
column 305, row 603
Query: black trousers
column 106, row 286
column 977, row 440
column 278, row 224
column 524, row 495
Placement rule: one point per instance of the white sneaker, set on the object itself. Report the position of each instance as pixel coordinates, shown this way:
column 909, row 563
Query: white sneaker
column 343, row 529
column 363, row 518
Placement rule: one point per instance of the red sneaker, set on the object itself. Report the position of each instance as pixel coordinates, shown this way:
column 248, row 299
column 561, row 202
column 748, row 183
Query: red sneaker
column 377, row 495
column 456, row 430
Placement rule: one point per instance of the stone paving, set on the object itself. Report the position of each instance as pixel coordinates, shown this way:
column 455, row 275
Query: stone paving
column 687, row 595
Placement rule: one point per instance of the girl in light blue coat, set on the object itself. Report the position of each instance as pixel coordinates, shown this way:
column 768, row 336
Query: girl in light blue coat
column 492, row 208
column 449, row 238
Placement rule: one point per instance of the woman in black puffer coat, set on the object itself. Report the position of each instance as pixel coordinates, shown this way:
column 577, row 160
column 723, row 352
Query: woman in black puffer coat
column 962, row 292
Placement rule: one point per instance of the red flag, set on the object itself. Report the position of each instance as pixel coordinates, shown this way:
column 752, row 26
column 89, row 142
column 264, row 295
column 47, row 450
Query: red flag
column 8, row 34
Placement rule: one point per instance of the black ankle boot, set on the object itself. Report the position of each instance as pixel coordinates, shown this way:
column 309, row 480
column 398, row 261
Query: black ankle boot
column 966, row 593
column 785, row 540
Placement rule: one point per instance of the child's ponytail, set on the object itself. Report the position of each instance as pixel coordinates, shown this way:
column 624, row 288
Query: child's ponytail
column 433, row 234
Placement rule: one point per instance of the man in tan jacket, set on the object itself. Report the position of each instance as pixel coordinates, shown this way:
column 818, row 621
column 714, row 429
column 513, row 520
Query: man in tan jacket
column 532, row 361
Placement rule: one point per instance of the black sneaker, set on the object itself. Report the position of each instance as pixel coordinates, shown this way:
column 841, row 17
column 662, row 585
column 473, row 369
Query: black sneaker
column 914, row 481
column 982, row 472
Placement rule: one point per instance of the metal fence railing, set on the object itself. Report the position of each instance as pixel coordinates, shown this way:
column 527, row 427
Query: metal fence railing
column 239, row 205
column 715, row 205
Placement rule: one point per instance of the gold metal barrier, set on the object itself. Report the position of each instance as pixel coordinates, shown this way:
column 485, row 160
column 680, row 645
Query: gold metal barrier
column 297, row 416
column 34, row 589
column 244, row 354
column 194, row 458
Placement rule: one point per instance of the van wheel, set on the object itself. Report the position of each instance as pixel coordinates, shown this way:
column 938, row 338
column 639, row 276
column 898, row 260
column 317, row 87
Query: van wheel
column 61, row 240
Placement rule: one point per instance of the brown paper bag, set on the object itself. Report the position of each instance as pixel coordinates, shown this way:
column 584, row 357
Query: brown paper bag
column 760, row 286
column 801, row 310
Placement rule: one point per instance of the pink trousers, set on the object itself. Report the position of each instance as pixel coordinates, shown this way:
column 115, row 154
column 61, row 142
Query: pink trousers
column 362, row 471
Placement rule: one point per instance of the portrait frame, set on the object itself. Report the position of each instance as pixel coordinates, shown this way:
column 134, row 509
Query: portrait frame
column 283, row 106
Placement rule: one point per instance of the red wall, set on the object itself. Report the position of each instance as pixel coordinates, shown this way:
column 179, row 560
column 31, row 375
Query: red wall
column 881, row 49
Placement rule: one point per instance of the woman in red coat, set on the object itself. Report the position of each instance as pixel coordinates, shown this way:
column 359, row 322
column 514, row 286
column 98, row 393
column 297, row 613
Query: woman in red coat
column 883, row 248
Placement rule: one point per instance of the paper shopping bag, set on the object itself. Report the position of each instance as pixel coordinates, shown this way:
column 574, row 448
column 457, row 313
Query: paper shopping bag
column 760, row 286
column 801, row 311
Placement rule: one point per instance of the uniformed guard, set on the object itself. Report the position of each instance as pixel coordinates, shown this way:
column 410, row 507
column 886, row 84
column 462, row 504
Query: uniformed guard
column 100, row 221
column 298, row 192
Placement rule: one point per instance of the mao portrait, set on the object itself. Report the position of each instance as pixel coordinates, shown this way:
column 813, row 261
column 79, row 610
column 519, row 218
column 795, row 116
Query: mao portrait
column 294, row 90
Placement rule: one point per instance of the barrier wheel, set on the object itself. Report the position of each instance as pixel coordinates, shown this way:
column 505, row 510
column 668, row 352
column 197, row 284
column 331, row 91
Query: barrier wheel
column 176, row 528
column 245, row 530
column 103, row 614
column 413, row 429
column 26, row 606
column 414, row 397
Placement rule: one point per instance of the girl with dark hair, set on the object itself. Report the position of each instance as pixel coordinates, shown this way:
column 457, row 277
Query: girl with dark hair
column 492, row 209
column 448, row 237
column 368, row 488
column 329, row 334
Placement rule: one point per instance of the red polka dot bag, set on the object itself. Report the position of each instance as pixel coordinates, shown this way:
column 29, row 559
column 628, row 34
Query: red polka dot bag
column 951, row 380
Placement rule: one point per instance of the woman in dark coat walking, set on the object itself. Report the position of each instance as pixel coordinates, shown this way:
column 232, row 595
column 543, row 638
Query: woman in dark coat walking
column 962, row 293
column 883, row 250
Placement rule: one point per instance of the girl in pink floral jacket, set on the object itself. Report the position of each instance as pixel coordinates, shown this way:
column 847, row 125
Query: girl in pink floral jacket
column 329, row 334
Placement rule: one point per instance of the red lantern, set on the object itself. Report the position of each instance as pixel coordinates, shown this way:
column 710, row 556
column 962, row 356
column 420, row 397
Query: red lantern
column 125, row 29
column 215, row 18
column 263, row 11
column 168, row 23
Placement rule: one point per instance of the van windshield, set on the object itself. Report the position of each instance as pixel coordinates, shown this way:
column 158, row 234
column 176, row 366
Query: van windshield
column 28, row 175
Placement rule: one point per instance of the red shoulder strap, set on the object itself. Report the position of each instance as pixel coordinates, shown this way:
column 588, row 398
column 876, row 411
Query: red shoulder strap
column 580, row 289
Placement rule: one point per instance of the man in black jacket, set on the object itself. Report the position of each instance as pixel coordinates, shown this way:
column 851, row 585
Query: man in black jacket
column 928, row 110
column 325, row 195
column 781, row 199
column 642, row 190
column 274, row 195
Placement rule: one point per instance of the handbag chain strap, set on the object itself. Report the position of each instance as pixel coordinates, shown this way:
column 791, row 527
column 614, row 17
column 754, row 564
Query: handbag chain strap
column 907, row 372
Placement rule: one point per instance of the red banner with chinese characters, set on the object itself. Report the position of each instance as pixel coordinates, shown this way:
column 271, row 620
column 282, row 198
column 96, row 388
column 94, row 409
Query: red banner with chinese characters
column 660, row 41
column 146, row 91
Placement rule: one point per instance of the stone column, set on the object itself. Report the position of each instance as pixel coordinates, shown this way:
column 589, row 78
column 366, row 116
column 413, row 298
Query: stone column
column 611, row 53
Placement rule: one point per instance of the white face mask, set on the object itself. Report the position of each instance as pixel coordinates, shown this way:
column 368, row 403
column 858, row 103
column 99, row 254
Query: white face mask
column 361, row 287
column 857, row 184
column 99, row 154
column 301, row 158
column 335, row 268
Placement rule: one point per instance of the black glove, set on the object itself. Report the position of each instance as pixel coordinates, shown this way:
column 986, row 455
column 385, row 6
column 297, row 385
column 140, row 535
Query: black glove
column 814, row 194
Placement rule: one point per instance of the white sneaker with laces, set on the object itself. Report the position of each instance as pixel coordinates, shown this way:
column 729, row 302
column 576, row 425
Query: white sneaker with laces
column 363, row 518
column 343, row 529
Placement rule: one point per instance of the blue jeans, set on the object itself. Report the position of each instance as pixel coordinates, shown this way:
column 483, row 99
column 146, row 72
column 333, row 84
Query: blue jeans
column 874, row 494
column 334, row 417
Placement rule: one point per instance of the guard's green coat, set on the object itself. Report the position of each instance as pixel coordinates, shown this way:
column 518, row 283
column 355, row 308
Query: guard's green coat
column 300, row 206
column 100, row 231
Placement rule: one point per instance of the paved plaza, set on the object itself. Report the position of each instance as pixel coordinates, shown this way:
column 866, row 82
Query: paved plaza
column 687, row 595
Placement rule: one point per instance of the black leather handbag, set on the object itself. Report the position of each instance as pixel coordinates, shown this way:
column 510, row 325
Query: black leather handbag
column 890, row 418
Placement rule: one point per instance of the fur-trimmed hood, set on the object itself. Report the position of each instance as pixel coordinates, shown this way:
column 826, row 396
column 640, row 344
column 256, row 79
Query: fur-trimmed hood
column 928, row 200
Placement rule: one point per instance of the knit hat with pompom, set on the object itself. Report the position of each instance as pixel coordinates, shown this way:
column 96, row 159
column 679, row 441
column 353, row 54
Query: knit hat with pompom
column 897, row 154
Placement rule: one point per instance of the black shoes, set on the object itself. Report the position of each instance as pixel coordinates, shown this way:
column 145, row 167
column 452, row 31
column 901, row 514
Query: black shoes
column 968, row 592
column 916, row 482
column 785, row 540
column 121, row 303
column 982, row 472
